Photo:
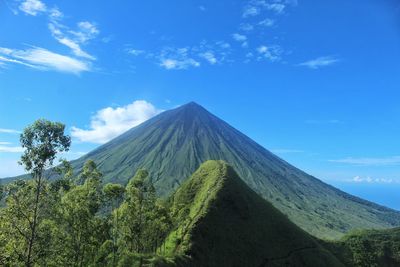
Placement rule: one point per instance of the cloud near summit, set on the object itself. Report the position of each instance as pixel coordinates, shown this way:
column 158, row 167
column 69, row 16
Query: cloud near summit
column 110, row 122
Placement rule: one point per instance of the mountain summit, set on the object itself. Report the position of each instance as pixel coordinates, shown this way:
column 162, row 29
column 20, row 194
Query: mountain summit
column 173, row 144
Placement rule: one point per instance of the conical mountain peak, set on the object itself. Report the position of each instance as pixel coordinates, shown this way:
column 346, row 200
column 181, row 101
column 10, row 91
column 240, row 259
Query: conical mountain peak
column 192, row 109
column 192, row 104
column 173, row 144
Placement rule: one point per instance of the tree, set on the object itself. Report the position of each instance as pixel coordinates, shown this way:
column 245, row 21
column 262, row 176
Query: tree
column 81, row 228
column 42, row 141
column 89, row 171
column 114, row 194
column 143, row 221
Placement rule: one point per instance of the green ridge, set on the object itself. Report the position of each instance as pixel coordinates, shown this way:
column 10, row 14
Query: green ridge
column 222, row 222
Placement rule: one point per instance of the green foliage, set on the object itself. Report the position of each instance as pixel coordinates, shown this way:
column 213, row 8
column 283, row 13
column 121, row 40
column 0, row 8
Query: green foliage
column 143, row 221
column 217, row 221
column 368, row 248
column 89, row 172
column 220, row 221
column 26, row 209
column 42, row 141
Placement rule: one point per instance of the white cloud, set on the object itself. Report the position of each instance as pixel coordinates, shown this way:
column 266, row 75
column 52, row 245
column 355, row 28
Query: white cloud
column 182, row 64
column 74, row 39
column 271, row 53
column 86, row 31
column 359, row 179
column 135, row 52
column 177, row 59
column 250, row 11
column 11, row 149
column 43, row 59
column 210, row 57
column 267, row 22
column 239, row 37
column 319, row 62
column 55, row 14
column 40, row 58
column 395, row 160
column 276, row 7
column 10, row 131
column 202, row 8
column 74, row 46
column 4, row 143
column 32, row 7
column 110, row 122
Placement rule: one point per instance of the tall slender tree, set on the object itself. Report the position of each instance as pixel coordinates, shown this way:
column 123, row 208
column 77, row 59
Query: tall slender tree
column 41, row 142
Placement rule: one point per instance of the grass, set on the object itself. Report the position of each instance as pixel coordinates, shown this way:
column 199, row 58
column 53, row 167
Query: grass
column 222, row 222
column 368, row 248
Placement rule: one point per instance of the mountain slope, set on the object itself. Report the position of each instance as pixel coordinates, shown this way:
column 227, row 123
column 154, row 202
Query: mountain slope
column 368, row 248
column 222, row 222
column 173, row 144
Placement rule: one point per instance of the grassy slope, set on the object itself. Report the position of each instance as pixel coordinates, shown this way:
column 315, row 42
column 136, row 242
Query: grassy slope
column 222, row 222
column 368, row 248
column 173, row 144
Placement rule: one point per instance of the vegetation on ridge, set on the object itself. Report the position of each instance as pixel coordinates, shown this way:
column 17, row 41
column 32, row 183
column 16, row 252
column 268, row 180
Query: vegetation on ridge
column 213, row 219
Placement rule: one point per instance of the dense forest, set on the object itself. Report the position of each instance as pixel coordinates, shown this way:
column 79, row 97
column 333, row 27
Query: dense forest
column 76, row 220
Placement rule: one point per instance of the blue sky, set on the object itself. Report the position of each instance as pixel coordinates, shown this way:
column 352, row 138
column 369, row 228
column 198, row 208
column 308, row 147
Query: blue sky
column 316, row 82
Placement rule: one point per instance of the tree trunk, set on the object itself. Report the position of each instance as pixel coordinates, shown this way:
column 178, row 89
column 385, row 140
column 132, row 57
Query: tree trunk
column 34, row 221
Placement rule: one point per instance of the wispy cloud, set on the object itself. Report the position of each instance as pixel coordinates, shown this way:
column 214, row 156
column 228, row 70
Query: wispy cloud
column 271, row 53
column 320, row 62
column 183, row 58
column 110, row 122
column 10, row 149
column 256, row 17
column 210, row 57
column 250, row 11
column 179, row 59
column 5, row 143
column 385, row 161
column 241, row 38
column 135, row 52
column 32, row 7
column 42, row 59
column 370, row 180
column 72, row 37
column 9, row 131
column 267, row 22
column 276, row 7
